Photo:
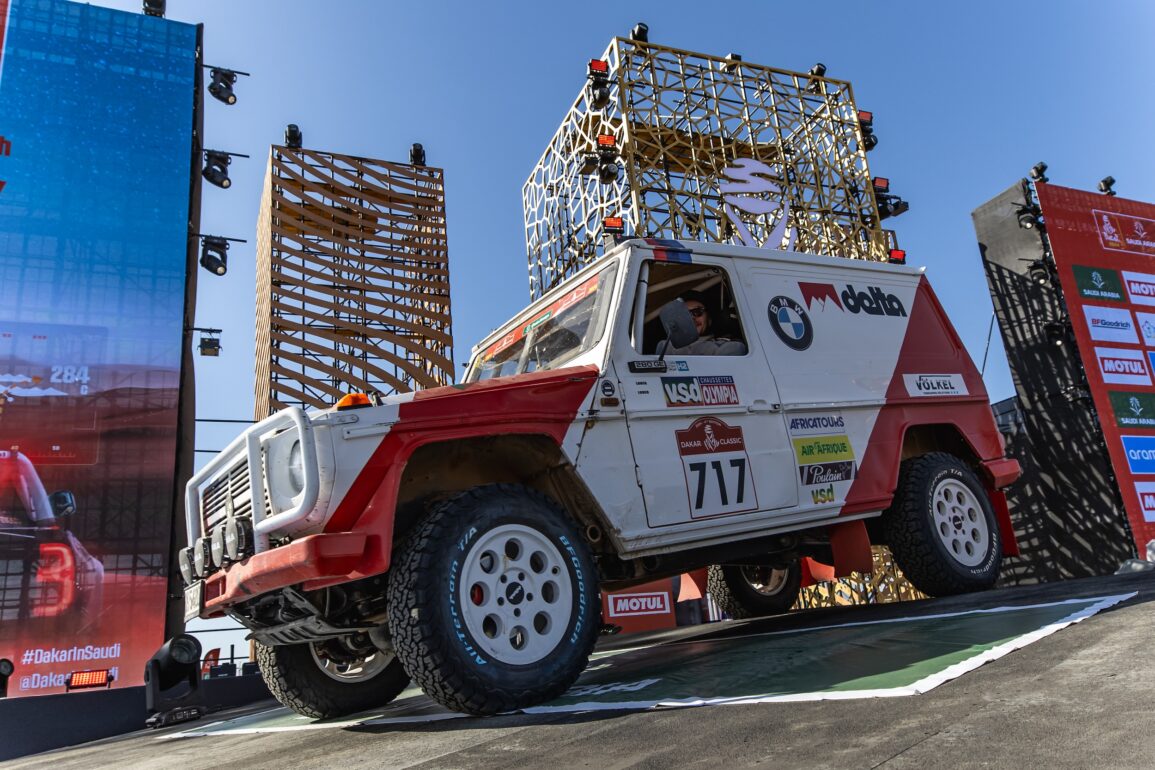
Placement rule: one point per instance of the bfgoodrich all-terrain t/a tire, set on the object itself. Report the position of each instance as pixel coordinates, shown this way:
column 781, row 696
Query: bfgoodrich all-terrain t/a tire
column 941, row 528
column 301, row 677
column 493, row 601
column 753, row 591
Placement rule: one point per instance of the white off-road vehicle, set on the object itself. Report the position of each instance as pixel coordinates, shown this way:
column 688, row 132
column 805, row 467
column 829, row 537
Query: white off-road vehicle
column 460, row 536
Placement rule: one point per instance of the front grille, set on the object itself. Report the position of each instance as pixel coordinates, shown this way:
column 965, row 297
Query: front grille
column 227, row 496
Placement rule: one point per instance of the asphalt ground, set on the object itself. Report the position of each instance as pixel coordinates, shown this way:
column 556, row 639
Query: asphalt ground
column 1083, row 697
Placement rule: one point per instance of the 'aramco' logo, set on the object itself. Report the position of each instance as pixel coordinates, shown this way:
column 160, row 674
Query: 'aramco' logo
column 746, row 183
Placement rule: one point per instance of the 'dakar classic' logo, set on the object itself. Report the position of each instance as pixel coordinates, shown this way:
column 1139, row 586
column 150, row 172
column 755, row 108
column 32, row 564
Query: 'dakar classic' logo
column 872, row 300
column 790, row 322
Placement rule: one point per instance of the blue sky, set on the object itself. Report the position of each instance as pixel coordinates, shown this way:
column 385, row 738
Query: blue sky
column 966, row 97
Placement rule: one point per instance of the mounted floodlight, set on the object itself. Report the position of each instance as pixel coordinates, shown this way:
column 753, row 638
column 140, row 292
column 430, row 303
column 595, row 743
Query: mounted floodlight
column 732, row 61
column 613, row 226
column 417, row 155
column 598, row 88
column 1058, row 332
column 1039, row 272
column 640, row 33
column 221, row 88
column 897, row 257
column 1039, row 172
column 177, row 661
column 1106, row 185
column 866, row 126
column 215, row 254
column 153, row 8
column 881, row 184
column 209, row 346
column 293, row 136
column 815, row 72
column 1028, row 217
column 216, row 168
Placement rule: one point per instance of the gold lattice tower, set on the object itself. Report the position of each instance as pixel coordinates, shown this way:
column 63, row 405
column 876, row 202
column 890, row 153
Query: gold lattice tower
column 352, row 279
column 678, row 120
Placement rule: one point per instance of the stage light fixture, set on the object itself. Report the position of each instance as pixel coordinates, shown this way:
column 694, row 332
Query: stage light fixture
column 1058, row 332
column 1028, row 217
column 897, row 257
column 88, row 680
column 1106, row 185
column 417, row 155
column 153, row 8
column 891, row 206
column 866, row 126
column 215, row 254
column 598, row 88
column 732, row 61
column 221, row 88
column 640, row 33
column 293, row 136
column 1039, row 272
column 216, row 168
column 613, row 226
column 881, row 184
column 6, row 669
column 209, row 346
column 1039, row 172
column 177, row 661
column 815, row 72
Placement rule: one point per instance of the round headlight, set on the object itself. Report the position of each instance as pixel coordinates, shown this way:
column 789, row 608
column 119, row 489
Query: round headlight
column 238, row 535
column 296, row 469
column 185, row 559
column 202, row 557
column 218, row 547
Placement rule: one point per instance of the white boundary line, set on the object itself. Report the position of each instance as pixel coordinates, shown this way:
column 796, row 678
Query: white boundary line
column 921, row 686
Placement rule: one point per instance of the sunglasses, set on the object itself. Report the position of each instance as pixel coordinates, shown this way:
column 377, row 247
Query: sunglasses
column 697, row 312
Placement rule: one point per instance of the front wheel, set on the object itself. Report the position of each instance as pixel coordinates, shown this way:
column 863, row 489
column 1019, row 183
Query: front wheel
column 493, row 601
column 752, row 591
column 330, row 679
column 941, row 528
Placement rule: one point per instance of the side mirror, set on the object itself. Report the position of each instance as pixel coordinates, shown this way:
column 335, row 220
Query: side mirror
column 678, row 324
column 63, row 504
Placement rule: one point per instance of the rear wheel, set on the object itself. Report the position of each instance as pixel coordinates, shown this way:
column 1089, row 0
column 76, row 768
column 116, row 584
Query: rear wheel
column 750, row 591
column 493, row 601
column 330, row 679
column 941, row 528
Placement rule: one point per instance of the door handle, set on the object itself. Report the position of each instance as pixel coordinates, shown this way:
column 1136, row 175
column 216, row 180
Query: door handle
column 760, row 405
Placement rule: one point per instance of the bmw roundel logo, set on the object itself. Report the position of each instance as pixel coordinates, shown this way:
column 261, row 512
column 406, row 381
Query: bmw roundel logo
column 789, row 321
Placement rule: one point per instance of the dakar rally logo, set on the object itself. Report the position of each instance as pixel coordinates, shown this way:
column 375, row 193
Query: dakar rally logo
column 747, row 182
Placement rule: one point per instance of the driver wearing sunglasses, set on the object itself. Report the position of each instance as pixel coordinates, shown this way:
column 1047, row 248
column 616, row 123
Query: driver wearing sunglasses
column 707, row 343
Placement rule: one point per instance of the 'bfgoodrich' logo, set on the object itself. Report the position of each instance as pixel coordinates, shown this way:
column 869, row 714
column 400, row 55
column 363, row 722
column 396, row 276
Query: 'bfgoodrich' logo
column 790, row 322
column 872, row 301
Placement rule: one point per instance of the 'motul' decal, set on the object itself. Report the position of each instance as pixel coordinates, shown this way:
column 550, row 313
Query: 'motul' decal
column 1120, row 366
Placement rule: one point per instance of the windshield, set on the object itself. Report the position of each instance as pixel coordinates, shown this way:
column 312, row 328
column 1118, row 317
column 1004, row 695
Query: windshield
column 550, row 334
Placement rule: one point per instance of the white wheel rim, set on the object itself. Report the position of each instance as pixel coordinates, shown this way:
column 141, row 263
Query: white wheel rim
column 360, row 670
column 767, row 581
column 516, row 594
column 960, row 522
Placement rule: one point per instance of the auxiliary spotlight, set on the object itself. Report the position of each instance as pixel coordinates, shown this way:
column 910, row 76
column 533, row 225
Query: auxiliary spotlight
column 1039, row 172
column 416, row 155
column 891, row 206
column 1058, row 332
column 216, row 168
column 209, row 346
column 866, row 126
column 1106, row 185
column 1039, row 272
column 1028, row 217
column 215, row 254
column 221, row 88
column 815, row 72
column 640, row 33
column 293, row 136
column 153, row 8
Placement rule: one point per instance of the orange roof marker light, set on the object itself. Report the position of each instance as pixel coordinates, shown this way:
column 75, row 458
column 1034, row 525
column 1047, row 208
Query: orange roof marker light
column 354, row 401
column 613, row 225
column 88, row 680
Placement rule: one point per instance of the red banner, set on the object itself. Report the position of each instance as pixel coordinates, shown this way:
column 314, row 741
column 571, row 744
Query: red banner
column 1103, row 248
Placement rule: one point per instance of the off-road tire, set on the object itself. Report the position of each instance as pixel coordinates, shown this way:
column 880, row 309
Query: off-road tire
column 294, row 678
column 922, row 544
column 736, row 595
column 427, row 601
